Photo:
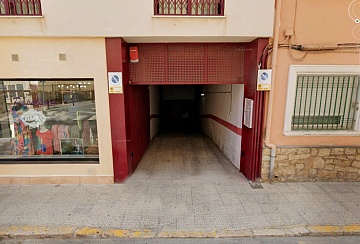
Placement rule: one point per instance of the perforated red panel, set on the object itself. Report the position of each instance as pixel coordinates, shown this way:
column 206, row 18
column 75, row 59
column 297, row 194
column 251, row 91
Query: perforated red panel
column 188, row 64
column 151, row 65
column 225, row 63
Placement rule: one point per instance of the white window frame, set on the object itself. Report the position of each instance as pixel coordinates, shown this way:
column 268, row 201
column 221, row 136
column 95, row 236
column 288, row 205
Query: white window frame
column 296, row 70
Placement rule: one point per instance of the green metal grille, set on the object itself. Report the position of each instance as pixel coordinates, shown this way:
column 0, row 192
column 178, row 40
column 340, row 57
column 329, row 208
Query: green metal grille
column 325, row 102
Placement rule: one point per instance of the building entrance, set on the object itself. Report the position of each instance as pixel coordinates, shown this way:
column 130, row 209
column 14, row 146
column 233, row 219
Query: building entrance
column 218, row 76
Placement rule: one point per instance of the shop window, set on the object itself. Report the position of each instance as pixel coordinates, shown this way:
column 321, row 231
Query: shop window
column 20, row 7
column 323, row 99
column 189, row 7
column 12, row 91
column 48, row 120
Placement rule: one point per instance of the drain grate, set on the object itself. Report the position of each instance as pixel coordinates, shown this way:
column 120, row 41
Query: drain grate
column 255, row 185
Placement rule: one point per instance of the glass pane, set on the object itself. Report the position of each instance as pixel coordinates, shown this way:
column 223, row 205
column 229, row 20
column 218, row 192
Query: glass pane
column 24, row 8
column 2, row 8
column 37, row 7
column 31, row 7
column 48, row 119
column 18, row 8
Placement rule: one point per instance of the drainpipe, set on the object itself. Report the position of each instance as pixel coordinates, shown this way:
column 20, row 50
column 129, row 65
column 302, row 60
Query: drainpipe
column 271, row 93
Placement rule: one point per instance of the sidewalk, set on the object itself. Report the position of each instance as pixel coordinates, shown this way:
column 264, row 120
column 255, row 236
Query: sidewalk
column 180, row 209
column 191, row 200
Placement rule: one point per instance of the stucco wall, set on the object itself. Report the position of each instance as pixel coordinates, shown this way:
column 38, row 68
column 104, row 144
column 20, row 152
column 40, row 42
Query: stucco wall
column 224, row 102
column 313, row 157
column 135, row 21
column 316, row 22
column 85, row 58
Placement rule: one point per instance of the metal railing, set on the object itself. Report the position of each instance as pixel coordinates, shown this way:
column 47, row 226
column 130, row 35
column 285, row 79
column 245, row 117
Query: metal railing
column 325, row 102
column 189, row 7
column 20, row 7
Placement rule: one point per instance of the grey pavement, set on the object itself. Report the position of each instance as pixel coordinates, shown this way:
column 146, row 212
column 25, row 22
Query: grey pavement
column 182, row 183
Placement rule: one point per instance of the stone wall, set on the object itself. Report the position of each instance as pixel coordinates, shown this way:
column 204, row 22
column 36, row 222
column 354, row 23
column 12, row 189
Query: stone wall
column 313, row 164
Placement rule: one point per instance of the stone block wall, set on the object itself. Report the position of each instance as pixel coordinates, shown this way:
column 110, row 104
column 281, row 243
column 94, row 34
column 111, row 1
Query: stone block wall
column 313, row 164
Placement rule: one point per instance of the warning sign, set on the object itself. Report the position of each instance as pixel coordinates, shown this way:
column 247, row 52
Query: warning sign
column 264, row 80
column 115, row 82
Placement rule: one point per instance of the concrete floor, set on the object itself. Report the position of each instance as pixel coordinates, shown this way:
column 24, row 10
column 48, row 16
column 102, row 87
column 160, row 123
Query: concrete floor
column 183, row 158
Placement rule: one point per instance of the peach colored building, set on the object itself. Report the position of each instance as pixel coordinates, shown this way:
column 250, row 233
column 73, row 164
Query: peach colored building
column 313, row 117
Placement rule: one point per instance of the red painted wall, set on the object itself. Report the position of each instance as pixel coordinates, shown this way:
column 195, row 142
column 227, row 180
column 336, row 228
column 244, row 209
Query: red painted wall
column 252, row 139
column 119, row 107
column 140, row 122
column 224, row 123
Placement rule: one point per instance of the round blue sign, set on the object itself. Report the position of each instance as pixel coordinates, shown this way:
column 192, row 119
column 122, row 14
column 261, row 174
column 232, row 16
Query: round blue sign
column 115, row 79
column 264, row 76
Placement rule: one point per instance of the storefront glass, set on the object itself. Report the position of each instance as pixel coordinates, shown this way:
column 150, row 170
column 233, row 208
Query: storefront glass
column 48, row 120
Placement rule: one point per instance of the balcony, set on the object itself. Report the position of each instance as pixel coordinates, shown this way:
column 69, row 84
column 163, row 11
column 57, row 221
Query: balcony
column 189, row 7
column 20, row 7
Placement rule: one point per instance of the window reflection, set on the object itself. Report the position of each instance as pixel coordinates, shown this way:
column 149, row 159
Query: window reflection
column 47, row 119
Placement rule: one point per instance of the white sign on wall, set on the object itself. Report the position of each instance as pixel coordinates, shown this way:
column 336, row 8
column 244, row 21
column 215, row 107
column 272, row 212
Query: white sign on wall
column 264, row 80
column 115, row 82
column 248, row 111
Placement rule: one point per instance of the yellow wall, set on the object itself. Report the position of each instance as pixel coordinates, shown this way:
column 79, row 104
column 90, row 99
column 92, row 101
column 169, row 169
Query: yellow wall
column 315, row 22
column 39, row 58
column 134, row 20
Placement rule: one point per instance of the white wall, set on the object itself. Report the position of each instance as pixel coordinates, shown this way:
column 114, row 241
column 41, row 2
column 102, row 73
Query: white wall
column 85, row 58
column 224, row 102
column 134, row 20
column 154, row 96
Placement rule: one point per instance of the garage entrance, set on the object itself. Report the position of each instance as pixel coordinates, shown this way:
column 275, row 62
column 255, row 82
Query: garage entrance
column 210, row 110
column 192, row 87
column 187, row 88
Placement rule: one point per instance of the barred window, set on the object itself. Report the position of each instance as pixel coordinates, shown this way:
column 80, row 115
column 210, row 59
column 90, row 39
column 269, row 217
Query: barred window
column 325, row 102
column 189, row 7
column 20, row 7
column 322, row 99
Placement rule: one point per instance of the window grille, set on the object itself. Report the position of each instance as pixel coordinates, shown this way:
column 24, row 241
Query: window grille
column 20, row 7
column 189, row 7
column 325, row 102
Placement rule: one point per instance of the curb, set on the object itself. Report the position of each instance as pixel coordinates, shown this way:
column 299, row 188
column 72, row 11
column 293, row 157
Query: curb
column 75, row 232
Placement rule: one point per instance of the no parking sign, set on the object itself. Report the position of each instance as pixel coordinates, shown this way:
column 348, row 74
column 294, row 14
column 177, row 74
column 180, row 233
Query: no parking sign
column 115, row 82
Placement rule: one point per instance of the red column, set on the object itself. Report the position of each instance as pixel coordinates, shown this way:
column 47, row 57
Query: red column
column 118, row 104
column 252, row 138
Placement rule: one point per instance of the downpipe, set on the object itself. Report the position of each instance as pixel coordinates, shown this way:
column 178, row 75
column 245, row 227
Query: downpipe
column 271, row 93
column 272, row 159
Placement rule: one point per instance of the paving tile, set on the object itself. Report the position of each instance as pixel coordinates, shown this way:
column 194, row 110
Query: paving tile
column 252, row 208
column 184, row 185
